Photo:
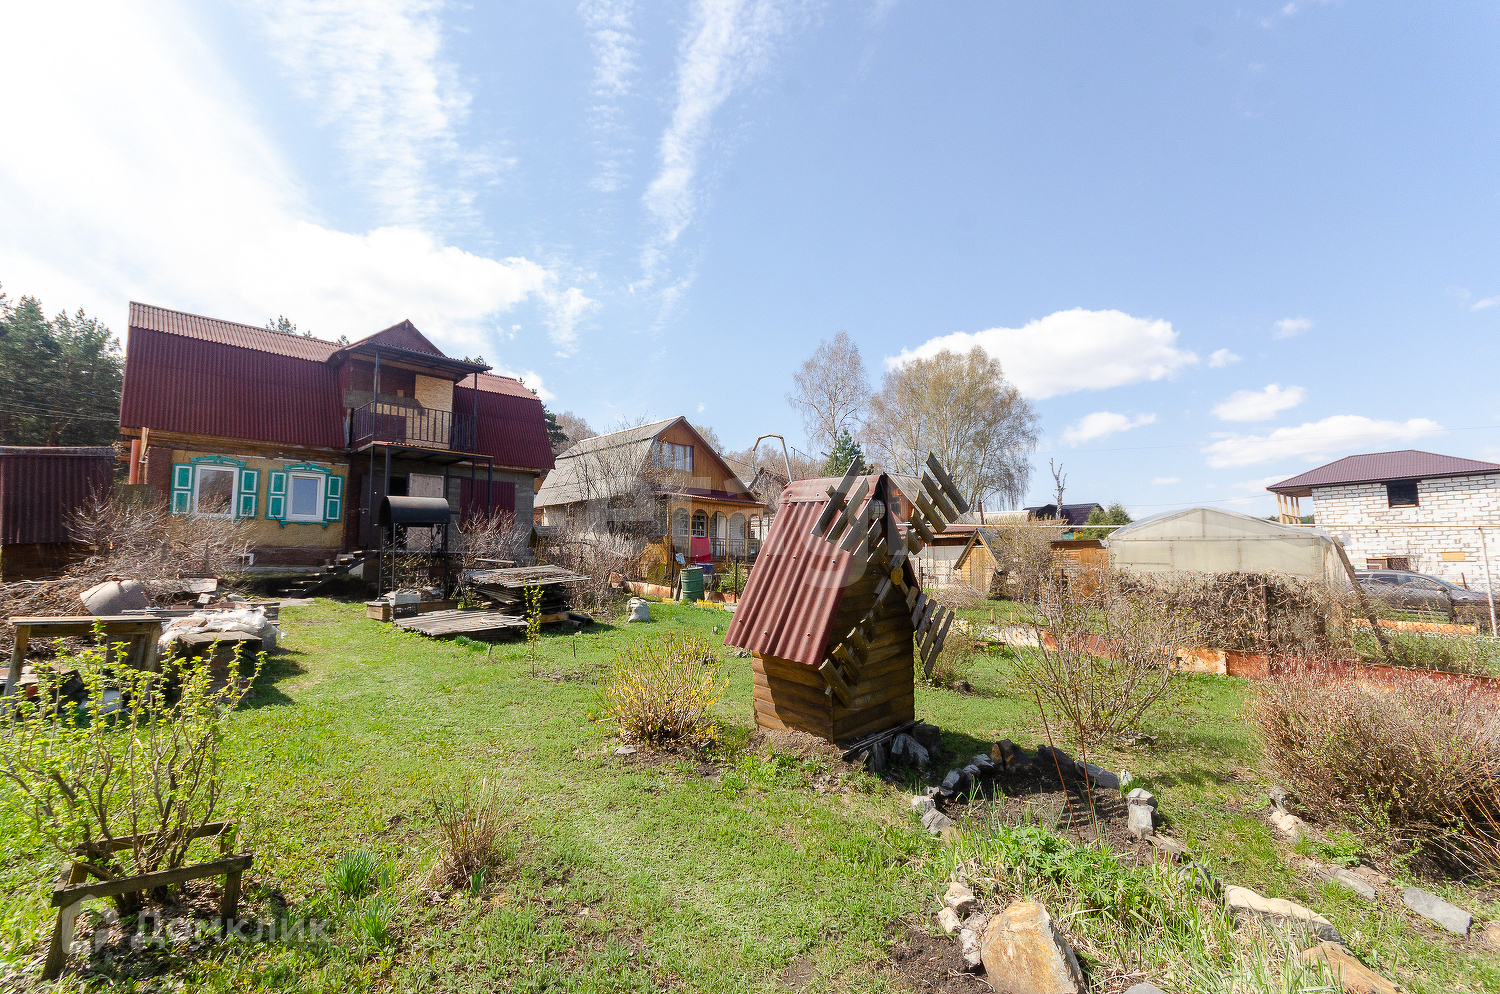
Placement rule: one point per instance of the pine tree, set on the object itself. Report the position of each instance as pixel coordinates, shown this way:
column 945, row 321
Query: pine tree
column 845, row 451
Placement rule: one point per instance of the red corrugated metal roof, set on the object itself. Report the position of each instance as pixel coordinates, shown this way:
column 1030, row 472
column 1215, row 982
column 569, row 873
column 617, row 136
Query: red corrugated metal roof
column 794, row 590
column 1377, row 467
column 508, row 385
column 403, row 335
column 40, row 488
column 202, row 385
column 512, row 427
column 243, row 336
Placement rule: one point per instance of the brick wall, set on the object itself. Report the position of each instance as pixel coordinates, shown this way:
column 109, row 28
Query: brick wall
column 1358, row 514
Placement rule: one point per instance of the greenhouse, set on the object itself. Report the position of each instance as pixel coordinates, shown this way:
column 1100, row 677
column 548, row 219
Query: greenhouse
column 1210, row 540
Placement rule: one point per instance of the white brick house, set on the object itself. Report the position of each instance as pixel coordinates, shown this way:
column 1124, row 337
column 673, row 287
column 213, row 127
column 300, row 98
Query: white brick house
column 1406, row 510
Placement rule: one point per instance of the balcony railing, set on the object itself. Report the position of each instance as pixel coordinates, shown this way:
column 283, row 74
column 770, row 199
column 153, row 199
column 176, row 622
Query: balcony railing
column 392, row 424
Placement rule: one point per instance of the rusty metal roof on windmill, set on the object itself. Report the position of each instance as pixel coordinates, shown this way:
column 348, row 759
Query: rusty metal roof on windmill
column 794, row 591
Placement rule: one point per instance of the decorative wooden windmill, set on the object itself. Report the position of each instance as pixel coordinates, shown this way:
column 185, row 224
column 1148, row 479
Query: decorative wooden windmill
column 833, row 613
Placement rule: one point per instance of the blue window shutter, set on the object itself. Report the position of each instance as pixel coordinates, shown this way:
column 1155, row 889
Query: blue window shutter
column 334, row 505
column 276, row 496
column 249, row 492
column 182, row 488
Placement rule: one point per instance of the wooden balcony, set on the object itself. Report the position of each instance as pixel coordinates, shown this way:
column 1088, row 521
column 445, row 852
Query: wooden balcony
column 383, row 423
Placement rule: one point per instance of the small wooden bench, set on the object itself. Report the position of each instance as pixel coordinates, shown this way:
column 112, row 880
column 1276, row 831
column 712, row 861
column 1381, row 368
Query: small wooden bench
column 71, row 889
column 141, row 634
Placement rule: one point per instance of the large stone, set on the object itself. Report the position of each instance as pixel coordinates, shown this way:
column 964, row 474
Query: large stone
column 905, row 746
column 935, row 821
column 949, row 921
column 968, row 945
column 955, row 781
column 1139, row 823
column 1355, row 977
column 930, row 736
column 921, row 805
column 1435, row 909
column 1354, row 882
column 961, row 899
column 1169, row 847
column 639, row 610
column 1141, row 796
column 115, row 597
column 1005, row 753
column 1024, row 952
column 986, row 765
column 1289, row 825
column 1051, row 759
column 1244, row 901
column 1098, row 775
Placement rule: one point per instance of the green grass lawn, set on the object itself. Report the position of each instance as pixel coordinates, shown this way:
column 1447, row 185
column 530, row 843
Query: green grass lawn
column 634, row 874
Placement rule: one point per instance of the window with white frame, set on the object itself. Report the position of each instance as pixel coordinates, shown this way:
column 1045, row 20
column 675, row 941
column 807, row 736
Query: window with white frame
column 669, row 455
column 214, row 488
column 305, row 496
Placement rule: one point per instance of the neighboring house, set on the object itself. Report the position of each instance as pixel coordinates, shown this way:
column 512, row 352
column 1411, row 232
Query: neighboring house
column 1407, row 510
column 1072, row 514
column 301, row 439
column 650, row 482
column 984, row 556
column 40, row 488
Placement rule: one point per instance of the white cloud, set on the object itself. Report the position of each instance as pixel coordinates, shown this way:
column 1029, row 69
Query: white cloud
column 728, row 43
column 1162, row 481
column 1480, row 305
column 702, row 408
column 375, row 72
column 616, row 65
column 1221, row 358
column 149, row 179
column 565, row 309
column 1102, row 424
column 1259, row 405
column 1315, row 441
column 1287, row 327
column 1067, row 351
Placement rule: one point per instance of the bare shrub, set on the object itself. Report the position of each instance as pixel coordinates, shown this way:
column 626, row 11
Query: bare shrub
column 1024, row 560
column 470, row 825
column 139, row 540
column 1418, row 766
column 128, row 762
column 1251, row 612
column 1103, row 661
column 660, row 690
column 962, row 595
column 956, row 661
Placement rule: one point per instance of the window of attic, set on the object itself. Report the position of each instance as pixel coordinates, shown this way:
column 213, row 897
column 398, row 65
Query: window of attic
column 1401, row 493
column 305, row 497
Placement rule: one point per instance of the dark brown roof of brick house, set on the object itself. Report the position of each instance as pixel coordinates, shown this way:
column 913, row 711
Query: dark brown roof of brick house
column 1378, row 467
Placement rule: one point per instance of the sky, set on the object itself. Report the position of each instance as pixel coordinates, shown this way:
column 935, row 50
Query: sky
column 1214, row 245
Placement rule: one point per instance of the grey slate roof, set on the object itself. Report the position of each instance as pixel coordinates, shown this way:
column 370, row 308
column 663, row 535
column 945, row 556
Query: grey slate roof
column 596, row 467
column 1378, row 467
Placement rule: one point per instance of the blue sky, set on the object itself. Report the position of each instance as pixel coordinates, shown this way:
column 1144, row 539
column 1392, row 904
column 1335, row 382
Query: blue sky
column 1216, row 245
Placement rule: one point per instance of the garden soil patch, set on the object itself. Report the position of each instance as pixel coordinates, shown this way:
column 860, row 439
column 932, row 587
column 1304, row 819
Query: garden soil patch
column 932, row 964
column 1035, row 796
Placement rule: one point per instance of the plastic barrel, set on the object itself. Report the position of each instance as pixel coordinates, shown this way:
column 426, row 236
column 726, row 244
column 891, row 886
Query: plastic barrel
column 692, row 583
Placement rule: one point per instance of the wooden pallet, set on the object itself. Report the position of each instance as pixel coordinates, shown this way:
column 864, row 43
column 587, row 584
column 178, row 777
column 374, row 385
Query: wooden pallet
column 469, row 621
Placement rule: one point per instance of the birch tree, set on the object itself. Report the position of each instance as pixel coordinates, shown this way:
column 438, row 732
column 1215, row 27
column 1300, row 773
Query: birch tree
column 832, row 390
column 962, row 408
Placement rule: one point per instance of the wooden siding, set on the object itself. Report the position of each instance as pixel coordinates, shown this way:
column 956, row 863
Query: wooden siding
column 792, row 695
column 709, row 471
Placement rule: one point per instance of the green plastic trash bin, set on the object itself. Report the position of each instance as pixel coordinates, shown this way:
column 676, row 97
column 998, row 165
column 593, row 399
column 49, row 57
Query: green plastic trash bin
column 692, row 583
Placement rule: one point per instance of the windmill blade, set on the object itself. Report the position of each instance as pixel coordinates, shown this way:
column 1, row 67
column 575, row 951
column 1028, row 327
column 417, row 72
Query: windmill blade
column 848, row 517
column 934, row 644
column 940, row 498
column 847, row 661
column 836, row 682
column 836, row 500
column 925, row 506
column 947, row 482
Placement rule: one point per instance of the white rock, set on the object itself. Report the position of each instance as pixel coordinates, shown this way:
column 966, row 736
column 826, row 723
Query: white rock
column 639, row 610
column 968, row 944
column 949, row 921
column 1288, row 825
column 1140, row 823
column 961, row 899
column 935, row 821
column 1244, row 901
column 1140, row 796
column 921, row 805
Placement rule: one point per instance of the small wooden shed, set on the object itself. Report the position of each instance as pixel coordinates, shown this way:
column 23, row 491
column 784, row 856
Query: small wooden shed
column 833, row 615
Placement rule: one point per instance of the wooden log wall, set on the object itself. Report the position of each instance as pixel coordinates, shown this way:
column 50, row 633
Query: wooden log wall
column 791, row 695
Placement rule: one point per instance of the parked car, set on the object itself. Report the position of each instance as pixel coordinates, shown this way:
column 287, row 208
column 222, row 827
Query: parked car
column 1407, row 591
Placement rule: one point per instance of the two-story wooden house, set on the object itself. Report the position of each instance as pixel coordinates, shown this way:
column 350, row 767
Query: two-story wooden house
column 299, row 439
column 660, row 482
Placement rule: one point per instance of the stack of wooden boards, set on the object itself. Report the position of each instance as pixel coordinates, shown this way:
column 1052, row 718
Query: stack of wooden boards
column 507, row 588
